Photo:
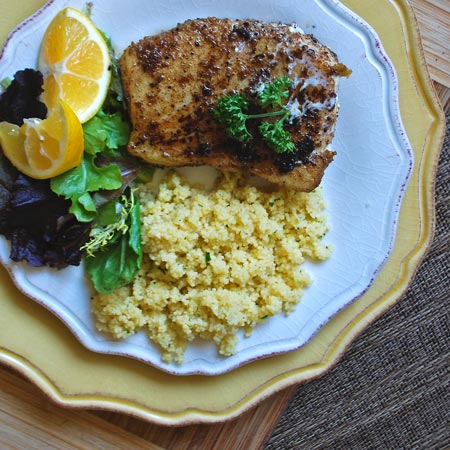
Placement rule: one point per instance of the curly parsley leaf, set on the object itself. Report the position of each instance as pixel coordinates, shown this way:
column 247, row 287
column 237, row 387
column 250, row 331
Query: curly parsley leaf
column 275, row 92
column 277, row 137
column 231, row 112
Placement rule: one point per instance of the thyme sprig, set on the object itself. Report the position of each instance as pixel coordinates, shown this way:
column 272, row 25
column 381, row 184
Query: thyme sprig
column 101, row 236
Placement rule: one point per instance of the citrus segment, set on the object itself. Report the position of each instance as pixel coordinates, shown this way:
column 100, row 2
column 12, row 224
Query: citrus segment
column 75, row 54
column 71, row 85
column 50, row 94
column 44, row 148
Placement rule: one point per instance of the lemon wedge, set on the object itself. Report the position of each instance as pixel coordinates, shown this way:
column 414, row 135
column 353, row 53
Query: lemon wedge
column 75, row 56
column 44, row 148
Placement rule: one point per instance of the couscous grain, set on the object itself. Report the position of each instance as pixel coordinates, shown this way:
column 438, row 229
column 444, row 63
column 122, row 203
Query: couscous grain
column 215, row 261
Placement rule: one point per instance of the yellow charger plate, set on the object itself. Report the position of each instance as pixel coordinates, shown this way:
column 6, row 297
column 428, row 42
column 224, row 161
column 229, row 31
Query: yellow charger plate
column 42, row 348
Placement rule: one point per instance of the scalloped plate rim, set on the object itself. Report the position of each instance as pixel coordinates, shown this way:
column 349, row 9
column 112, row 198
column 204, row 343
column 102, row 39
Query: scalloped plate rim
column 206, row 367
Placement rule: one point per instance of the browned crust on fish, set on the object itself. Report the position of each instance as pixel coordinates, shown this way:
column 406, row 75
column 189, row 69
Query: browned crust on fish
column 172, row 82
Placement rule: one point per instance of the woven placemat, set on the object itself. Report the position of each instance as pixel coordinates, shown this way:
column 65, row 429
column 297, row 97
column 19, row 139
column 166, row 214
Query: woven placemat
column 391, row 390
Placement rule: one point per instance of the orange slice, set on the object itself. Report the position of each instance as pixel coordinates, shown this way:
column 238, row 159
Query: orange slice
column 74, row 53
column 44, row 148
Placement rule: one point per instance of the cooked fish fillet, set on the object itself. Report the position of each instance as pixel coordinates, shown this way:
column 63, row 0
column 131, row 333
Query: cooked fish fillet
column 172, row 82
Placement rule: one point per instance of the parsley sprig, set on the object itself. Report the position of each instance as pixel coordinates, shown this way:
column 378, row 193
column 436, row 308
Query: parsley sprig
column 231, row 112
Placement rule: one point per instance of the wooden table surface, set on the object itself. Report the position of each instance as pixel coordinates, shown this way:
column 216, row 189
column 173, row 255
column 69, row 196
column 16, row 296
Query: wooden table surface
column 28, row 419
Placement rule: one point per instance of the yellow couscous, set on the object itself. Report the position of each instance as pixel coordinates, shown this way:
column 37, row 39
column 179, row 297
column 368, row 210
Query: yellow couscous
column 215, row 261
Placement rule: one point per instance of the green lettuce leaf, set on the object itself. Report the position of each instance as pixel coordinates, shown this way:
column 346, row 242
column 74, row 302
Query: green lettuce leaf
column 105, row 132
column 117, row 261
column 78, row 184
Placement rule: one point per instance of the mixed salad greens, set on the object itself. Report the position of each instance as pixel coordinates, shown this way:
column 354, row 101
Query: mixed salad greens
column 90, row 212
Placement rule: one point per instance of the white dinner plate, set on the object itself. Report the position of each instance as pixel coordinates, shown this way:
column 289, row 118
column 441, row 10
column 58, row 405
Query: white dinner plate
column 363, row 187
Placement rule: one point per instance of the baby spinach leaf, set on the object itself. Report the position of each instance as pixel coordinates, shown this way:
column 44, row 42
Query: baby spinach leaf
column 114, row 252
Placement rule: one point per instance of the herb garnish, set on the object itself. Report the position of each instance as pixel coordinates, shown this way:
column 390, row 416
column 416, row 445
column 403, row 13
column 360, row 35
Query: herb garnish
column 111, row 222
column 91, row 210
column 114, row 251
column 231, row 112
